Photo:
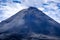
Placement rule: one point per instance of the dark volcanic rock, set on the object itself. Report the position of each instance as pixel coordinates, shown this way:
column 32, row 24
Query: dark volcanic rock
column 27, row 22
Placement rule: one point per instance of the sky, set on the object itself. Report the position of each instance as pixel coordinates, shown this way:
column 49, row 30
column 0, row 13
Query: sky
column 10, row 7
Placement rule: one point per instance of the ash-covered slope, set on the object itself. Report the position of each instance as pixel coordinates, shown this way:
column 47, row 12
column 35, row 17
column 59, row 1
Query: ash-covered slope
column 29, row 21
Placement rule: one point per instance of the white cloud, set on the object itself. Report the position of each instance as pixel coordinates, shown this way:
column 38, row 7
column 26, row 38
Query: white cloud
column 10, row 10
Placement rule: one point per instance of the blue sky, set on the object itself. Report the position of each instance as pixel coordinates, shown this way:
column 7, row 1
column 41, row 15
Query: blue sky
column 11, row 7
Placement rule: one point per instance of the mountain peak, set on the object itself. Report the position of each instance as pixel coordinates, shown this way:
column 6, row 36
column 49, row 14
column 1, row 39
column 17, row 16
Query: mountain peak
column 30, row 8
column 29, row 21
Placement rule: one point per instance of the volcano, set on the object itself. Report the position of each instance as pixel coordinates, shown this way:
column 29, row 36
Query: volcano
column 27, row 24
